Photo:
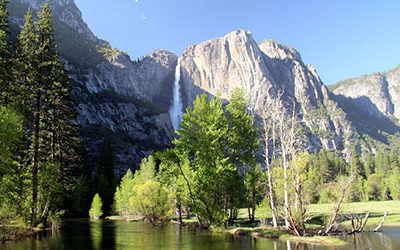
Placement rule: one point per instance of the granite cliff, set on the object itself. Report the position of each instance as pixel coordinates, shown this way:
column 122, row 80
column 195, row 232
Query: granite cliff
column 127, row 100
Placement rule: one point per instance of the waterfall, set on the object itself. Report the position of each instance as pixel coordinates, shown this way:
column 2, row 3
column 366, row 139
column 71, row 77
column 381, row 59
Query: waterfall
column 175, row 111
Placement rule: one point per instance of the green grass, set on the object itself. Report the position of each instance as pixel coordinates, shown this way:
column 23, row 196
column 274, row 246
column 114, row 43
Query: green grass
column 315, row 240
column 376, row 209
column 262, row 232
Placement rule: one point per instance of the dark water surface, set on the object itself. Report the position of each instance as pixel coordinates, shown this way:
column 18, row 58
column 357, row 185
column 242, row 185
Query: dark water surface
column 135, row 235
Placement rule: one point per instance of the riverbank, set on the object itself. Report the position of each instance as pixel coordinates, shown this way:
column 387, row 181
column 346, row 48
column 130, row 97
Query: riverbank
column 283, row 234
column 319, row 213
column 11, row 233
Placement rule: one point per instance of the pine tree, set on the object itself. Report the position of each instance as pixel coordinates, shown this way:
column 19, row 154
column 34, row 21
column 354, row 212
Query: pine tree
column 24, row 72
column 356, row 165
column 4, row 52
column 27, row 92
column 42, row 89
column 58, row 132
column 369, row 165
column 105, row 177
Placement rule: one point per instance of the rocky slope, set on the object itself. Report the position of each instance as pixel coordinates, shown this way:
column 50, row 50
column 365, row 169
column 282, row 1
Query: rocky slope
column 117, row 98
column 372, row 102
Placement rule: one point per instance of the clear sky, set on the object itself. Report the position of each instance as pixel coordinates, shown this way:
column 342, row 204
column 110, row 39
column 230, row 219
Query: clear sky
column 341, row 38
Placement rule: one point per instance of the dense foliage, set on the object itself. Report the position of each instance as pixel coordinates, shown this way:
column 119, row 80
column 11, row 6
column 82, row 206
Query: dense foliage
column 96, row 211
column 39, row 164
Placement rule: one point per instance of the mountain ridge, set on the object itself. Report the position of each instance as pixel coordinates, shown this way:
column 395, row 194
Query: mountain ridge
column 128, row 101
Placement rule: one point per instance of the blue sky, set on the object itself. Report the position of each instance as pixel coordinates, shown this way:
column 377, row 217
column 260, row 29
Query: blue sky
column 341, row 38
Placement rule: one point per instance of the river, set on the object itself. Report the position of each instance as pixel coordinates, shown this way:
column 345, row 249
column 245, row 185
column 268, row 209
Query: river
column 135, row 235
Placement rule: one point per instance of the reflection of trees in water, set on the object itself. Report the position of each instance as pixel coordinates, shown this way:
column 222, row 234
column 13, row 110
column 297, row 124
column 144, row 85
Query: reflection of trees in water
column 102, row 234
column 373, row 241
column 178, row 234
column 75, row 234
column 386, row 242
column 300, row 246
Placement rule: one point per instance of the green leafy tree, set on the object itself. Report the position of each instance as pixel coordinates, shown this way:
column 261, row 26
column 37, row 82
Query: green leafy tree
column 122, row 195
column 14, row 178
column 203, row 139
column 393, row 182
column 10, row 133
column 373, row 187
column 254, row 191
column 125, row 198
column 243, row 145
column 95, row 211
column 152, row 201
column 175, row 175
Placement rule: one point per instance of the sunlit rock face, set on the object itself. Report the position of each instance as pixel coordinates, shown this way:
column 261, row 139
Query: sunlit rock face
column 262, row 70
column 381, row 89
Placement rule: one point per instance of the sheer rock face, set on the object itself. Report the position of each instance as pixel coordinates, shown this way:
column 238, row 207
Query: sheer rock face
column 114, row 96
column 263, row 70
column 128, row 101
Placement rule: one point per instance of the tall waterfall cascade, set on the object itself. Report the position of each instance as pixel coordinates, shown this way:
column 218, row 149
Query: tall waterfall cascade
column 176, row 109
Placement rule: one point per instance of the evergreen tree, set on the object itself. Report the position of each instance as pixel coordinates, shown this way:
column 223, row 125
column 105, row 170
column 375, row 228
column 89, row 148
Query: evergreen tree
column 24, row 71
column 4, row 52
column 382, row 162
column 369, row 165
column 356, row 165
column 42, row 92
column 28, row 93
column 393, row 157
column 105, row 177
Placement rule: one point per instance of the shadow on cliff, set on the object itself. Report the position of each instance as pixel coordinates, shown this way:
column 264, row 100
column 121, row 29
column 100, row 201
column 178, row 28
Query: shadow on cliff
column 368, row 119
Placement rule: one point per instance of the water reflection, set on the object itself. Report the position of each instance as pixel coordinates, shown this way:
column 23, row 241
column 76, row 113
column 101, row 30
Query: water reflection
column 102, row 235
column 122, row 235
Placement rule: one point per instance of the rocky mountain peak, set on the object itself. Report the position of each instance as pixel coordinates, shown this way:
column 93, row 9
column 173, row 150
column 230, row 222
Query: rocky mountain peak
column 276, row 50
column 67, row 12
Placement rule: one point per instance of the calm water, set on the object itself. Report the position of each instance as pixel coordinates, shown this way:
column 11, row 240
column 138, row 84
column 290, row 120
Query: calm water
column 122, row 235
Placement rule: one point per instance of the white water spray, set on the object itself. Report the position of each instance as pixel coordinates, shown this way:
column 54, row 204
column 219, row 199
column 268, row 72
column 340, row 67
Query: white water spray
column 175, row 111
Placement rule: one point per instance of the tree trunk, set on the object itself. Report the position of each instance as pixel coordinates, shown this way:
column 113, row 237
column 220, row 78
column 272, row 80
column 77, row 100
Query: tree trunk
column 272, row 198
column 179, row 211
column 35, row 165
column 285, row 186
